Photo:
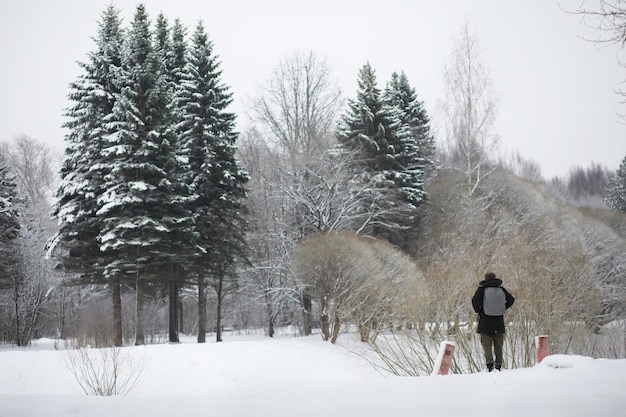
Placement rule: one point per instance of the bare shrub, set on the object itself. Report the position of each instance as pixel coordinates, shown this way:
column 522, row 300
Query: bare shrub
column 106, row 371
column 563, row 270
column 354, row 280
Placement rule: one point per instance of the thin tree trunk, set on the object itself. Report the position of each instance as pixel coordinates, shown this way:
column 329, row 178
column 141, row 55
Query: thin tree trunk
column 173, row 319
column 218, row 330
column 324, row 319
column 61, row 315
column 306, row 314
column 17, row 313
column 181, row 327
column 201, row 309
column 336, row 326
column 139, row 331
column 117, row 314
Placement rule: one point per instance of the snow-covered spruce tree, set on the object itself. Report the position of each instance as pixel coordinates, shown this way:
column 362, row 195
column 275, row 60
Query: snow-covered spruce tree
column 10, row 256
column 146, row 227
column 616, row 189
column 170, row 49
column 208, row 143
column 9, row 225
column 418, row 150
column 176, row 62
column 414, row 151
column 373, row 130
column 93, row 95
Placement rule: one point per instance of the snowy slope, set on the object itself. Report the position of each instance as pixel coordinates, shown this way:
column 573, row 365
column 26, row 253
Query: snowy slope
column 303, row 377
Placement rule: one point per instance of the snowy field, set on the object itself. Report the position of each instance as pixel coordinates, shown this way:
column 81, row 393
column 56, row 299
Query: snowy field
column 302, row 377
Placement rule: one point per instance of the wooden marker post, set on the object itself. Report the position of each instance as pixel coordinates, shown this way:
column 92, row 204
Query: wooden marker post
column 543, row 347
column 446, row 352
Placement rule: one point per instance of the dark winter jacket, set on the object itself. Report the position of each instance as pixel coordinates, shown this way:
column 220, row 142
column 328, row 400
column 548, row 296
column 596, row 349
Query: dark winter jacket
column 490, row 324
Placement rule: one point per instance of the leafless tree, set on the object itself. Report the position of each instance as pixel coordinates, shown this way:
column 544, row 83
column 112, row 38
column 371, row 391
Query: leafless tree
column 608, row 19
column 588, row 182
column 33, row 282
column 272, row 231
column 35, row 166
column 328, row 197
column 297, row 107
column 293, row 120
column 524, row 167
column 470, row 109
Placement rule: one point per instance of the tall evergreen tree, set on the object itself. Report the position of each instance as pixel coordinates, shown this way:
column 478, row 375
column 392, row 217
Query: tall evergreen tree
column 9, row 225
column 176, row 65
column 415, row 147
column 146, row 226
column 373, row 131
column 616, row 189
column 208, row 141
column 366, row 127
column 170, row 51
column 94, row 95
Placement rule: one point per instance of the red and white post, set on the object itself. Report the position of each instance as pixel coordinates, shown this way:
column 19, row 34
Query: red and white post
column 543, row 347
column 444, row 359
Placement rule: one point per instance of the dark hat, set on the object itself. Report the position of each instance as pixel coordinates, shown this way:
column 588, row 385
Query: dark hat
column 490, row 276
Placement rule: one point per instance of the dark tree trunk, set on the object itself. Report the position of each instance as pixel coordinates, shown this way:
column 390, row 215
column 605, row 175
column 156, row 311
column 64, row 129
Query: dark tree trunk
column 181, row 327
column 220, row 296
column 117, row 314
column 306, row 314
column 18, row 339
column 139, row 332
column 336, row 326
column 270, row 330
column 201, row 309
column 173, row 313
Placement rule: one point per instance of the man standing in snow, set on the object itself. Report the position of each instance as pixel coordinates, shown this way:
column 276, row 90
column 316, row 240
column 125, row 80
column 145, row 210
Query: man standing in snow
column 490, row 301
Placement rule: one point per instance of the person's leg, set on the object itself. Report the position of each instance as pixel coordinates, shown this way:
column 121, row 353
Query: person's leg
column 487, row 343
column 498, row 342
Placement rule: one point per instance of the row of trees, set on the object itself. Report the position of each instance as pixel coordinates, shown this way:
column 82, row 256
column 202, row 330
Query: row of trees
column 151, row 192
column 310, row 176
column 151, row 200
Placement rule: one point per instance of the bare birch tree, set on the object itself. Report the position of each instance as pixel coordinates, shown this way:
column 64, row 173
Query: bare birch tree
column 470, row 109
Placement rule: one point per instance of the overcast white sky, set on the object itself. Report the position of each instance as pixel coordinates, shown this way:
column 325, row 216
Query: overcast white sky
column 556, row 92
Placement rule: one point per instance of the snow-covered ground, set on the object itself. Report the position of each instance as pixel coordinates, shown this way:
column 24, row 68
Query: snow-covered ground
column 303, row 377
